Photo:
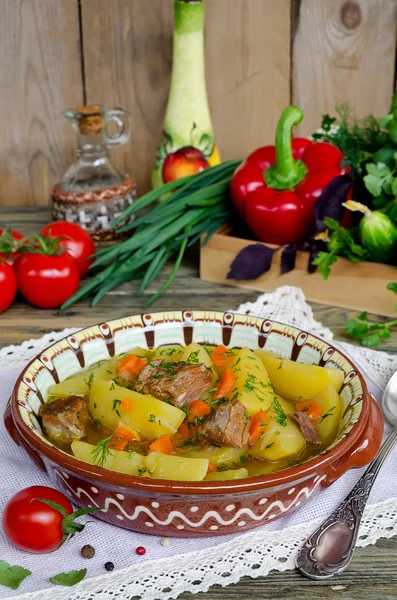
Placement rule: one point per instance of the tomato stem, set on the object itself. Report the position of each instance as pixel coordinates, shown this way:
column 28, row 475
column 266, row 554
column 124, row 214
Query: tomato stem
column 69, row 524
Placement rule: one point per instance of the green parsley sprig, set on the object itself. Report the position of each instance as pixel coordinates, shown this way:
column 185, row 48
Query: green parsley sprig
column 367, row 333
column 342, row 242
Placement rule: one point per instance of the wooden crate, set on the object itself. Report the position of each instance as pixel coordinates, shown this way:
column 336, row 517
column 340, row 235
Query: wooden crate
column 359, row 286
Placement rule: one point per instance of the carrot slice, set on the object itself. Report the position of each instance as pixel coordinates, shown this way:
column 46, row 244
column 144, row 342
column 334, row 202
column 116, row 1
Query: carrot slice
column 312, row 409
column 225, row 385
column 133, row 364
column 163, row 444
column 126, row 404
column 185, row 430
column 118, row 443
column 257, row 426
column 124, row 431
column 211, row 468
column 221, row 356
column 197, row 408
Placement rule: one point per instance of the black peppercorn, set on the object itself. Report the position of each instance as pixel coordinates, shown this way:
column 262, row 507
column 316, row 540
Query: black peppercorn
column 109, row 566
column 87, row 551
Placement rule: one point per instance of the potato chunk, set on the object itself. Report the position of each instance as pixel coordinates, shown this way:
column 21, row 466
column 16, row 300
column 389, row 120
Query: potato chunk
column 298, row 381
column 123, row 462
column 149, row 416
column 227, row 475
column 79, row 384
column 216, row 456
column 178, row 468
column 252, row 383
column 331, row 404
column 279, row 442
column 196, row 354
column 169, row 353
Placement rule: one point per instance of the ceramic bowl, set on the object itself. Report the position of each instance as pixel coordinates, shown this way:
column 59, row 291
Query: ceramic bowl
column 172, row 508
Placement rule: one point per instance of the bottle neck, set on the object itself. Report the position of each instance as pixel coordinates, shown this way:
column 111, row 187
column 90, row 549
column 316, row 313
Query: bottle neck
column 188, row 65
column 91, row 147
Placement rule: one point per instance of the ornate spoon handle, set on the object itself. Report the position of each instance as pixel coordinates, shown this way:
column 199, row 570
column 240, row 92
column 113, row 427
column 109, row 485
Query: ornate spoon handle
column 330, row 548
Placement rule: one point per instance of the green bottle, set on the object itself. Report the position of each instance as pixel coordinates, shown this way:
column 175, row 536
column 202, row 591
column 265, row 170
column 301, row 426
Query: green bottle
column 187, row 142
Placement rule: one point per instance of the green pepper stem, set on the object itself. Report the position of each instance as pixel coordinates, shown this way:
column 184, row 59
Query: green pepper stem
column 286, row 172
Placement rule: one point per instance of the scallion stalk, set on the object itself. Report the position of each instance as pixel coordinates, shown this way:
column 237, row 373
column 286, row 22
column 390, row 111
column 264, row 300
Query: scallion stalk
column 194, row 206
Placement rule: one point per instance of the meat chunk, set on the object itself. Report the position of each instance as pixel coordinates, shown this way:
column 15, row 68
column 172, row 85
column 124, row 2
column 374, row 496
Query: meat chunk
column 66, row 419
column 176, row 382
column 227, row 425
column 307, row 428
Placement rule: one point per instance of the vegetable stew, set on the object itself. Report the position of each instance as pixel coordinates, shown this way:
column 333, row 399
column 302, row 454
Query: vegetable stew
column 195, row 413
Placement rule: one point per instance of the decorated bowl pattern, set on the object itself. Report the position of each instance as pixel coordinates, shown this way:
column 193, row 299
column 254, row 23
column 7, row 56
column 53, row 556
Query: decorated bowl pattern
column 191, row 508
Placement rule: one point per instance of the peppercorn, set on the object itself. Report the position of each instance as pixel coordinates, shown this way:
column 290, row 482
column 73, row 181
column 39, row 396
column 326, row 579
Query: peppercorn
column 109, row 566
column 87, row 551
column 140, row 550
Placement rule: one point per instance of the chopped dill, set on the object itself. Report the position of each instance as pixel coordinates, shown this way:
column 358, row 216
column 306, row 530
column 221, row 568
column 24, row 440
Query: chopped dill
column 222, row 467
column 90, row 379
column 101, row 451
column 193, row 357
column 252, row 384
column 116, row 403
column 281, row 417
column 328, row 414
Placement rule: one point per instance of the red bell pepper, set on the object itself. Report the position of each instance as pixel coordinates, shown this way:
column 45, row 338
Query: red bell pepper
column 276, row 187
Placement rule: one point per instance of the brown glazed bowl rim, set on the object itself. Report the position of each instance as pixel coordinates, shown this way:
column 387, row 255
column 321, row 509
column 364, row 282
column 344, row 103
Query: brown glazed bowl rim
column 141, row 484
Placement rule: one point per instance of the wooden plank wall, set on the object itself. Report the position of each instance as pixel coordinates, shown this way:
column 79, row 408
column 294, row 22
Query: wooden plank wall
column 260, row 56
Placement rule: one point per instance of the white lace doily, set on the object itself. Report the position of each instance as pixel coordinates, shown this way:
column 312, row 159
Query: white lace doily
column 188, row 564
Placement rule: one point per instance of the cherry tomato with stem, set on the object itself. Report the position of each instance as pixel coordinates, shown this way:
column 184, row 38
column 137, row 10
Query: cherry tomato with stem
column 75, row 239
column 46, row 274
column 40, row 519
column 9, row 242
column 8, row 285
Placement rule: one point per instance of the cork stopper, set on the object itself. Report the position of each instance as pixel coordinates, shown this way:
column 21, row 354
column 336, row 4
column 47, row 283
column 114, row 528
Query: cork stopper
column 90, row 119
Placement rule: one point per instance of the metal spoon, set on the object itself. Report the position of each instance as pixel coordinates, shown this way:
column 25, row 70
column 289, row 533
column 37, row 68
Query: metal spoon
column 330, row 548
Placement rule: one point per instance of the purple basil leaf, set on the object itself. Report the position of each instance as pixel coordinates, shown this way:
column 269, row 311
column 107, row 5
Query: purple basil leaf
column 288, row 258
column 251, row 262
column 314, row 247
column 329, row 204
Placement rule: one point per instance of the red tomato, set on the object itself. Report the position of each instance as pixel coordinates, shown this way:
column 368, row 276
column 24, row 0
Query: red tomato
column 8, row 285
column 32, row 525
column 47, row 281
column 76, row 240
column 6, row 237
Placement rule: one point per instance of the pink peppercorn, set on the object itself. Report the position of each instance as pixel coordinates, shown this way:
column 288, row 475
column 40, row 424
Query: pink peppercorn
column 140, row 550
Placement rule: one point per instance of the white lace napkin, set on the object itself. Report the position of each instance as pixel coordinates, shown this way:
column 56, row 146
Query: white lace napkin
column 187, row 564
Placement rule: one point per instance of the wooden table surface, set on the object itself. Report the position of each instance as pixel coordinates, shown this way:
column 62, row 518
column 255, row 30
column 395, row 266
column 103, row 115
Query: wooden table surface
column 372, row 573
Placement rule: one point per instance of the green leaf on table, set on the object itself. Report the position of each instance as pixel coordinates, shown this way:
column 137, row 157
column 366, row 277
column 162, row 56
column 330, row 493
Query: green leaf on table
column 392, row 286
column 70, row 578
column 12, row 577
column 363, row 315
column 372, row 340
column 384, row 333
column 324, row 262
column 357, row 329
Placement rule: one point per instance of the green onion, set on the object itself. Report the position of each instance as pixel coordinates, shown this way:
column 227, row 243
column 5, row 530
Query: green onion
column 190, row 207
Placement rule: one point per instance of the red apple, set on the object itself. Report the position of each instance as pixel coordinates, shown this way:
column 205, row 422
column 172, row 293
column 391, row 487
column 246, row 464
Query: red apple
column 185, row 161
